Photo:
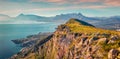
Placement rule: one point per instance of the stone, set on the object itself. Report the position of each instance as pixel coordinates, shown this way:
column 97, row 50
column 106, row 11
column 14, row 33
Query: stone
column 114, row 37
column 103, row 40
column 112, row 54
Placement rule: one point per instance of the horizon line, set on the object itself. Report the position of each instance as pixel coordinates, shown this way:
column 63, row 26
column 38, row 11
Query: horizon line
column 57, row 14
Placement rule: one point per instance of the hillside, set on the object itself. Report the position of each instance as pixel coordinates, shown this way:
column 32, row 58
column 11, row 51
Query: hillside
column 75, row 40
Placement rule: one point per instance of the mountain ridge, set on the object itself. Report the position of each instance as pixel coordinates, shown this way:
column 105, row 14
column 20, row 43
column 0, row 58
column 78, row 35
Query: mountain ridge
column 73, row 20
column 75, row 40
column 100, row 22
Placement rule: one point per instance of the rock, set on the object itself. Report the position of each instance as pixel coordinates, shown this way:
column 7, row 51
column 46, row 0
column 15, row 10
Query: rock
column 112, row 54
column 31, row 39
column 13, row 57
column 111, row 41
column 102, row 40
column 89, row 56
column 93, row 39
column 114, row 37
column 89, row 49
column 86, row 42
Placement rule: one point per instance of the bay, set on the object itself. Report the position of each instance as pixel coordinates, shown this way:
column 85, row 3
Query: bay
column 9, row 32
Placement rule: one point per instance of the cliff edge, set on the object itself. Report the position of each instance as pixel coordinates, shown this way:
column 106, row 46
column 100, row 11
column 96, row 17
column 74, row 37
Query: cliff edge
column 75, row 40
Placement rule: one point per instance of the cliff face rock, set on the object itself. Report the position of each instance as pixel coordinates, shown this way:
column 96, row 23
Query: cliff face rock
column 31, row 39
column 113, row 54
column 76, row 40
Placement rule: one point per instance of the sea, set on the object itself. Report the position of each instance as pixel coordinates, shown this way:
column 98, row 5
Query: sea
column 10, row 32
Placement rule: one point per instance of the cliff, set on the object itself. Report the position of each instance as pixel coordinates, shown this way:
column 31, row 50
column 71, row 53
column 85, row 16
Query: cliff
column 31, row 39
column 75, row 40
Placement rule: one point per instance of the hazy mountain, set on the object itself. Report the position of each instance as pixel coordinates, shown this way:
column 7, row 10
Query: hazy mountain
column 31, row 17
column 108, row 22
column 102, row 22
column 68, row 16
column 4, row 17
column 25, row 19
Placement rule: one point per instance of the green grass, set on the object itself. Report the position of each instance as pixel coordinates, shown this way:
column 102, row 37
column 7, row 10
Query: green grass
column 78, row 27
column 114, row 45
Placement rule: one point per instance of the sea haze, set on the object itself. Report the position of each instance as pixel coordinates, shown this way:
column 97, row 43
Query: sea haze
column 9, row 32
column 111, row 22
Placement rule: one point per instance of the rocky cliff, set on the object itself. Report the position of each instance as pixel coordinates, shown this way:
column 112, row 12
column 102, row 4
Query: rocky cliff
column 75, row 40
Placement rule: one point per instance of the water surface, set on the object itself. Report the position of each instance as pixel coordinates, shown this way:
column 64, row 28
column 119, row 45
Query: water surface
column 9, row 32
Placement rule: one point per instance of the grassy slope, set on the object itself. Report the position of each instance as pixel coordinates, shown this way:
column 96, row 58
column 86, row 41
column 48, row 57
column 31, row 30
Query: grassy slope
column 78, row 27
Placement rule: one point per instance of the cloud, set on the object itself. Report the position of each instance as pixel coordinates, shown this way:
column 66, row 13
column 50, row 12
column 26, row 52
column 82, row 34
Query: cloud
column 80, row 1
column 65, row 1
column 46, row 1
column 56, row 8
column 66, row 8
column 105, row 2
column 17, row 11
column 112, row 2
column 42, row 7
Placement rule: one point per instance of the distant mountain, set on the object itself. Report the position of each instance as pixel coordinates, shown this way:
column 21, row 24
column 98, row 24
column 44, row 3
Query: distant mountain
column 4, row 17
column 68, row 16
column 108, row 22
column 31, row 17
column 25, row 19
column 101, row 22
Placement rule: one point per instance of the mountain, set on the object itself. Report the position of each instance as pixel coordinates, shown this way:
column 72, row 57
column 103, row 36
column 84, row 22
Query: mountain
column 26, row 19
column 4, row 17
column 31, row 17
column 72, row 21
column 109, row 22
column 112, row 23
column 68, row 16
column 75, row 39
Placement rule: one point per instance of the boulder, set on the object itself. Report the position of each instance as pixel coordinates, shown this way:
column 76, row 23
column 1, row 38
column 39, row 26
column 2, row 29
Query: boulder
column 114, row 37
column 103, row 40
column 89, row 56
column 112, row 54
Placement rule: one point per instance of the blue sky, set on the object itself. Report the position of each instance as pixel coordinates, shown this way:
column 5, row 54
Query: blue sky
column 54, row 7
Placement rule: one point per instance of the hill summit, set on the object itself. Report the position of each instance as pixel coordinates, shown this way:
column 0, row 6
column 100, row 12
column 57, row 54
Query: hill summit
column 77, row 21
column 75, row 40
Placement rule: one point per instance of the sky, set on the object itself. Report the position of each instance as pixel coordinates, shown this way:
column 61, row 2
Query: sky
column 98, row 8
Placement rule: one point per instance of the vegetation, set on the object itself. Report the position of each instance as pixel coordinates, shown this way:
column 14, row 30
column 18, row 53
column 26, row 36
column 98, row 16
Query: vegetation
column 82, row 27
column 78, row 40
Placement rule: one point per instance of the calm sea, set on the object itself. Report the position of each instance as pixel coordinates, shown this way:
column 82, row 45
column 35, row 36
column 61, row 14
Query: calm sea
column 9, row 32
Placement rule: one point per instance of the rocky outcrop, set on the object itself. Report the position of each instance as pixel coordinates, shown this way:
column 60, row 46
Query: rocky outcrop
column 113, row 53
column 66, row 43
column 31, row 39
